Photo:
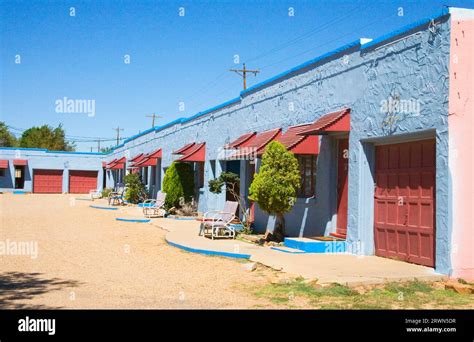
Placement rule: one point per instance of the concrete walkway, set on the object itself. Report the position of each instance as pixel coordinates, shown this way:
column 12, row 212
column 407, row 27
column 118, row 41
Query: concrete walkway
column 327, row 268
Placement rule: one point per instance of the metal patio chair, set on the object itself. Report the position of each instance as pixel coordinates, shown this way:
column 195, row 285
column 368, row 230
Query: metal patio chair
column 117, row 197
column 155, row 207
column 217, row 223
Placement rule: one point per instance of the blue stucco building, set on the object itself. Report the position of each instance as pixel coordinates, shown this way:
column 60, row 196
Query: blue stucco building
column 379, row 109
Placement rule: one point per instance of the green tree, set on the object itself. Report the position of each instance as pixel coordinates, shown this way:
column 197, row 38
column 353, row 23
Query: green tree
column 46, row 137
column 106, row 149
column 7, row 139
column 178, row 183
column 135, row 188
column 274, row 187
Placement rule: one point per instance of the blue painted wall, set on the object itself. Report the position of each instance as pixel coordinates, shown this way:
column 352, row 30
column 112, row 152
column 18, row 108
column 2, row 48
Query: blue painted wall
column 43, row 159
column 411, row 63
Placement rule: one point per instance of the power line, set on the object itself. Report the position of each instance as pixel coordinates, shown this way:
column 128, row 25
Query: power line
column 328, row 42
column 307, row 34
column 72, row 138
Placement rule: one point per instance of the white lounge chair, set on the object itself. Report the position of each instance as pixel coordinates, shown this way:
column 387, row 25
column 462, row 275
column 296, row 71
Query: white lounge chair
column 155, row 207
column 217, row 223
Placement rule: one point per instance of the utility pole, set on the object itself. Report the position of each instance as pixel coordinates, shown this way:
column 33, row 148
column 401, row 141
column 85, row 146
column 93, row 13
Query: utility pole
column 243, row 73
column 153, row 116
column 98, row 145
column 118, row 129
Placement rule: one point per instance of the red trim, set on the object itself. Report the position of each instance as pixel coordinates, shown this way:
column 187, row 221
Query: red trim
column 339, row 121
column 20, row 162
column 299, row 144
column 256, row 145
column 195, row 153
column 4, row 164
column 243, row 139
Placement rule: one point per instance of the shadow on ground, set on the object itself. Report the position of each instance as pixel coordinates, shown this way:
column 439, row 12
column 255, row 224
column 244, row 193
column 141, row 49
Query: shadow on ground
column 18, row 287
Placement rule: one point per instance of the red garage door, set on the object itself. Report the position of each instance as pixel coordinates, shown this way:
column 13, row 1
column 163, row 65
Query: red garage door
column 81, row 182
column 48, row 181
column 405, row 202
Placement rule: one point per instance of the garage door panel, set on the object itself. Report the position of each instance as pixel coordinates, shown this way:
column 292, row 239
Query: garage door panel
column 81, row 181
column 382, row 180
column 380, row 237
column 427, row 184
column 426, row 217
column 414, row 185
column 394, row 157
column 382, row 158
column 381, row 215
column 405, row 227
column 403, row 184
column 404, row 156
column 402, row 242
column 414, row 244
column 47, row 181
column 416, row 155
column 402, row 212
column 429, row 155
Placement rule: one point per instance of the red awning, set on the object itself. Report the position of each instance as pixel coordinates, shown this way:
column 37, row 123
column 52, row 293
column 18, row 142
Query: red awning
column 339, row 121
column 299, row 144
column 194, row 152
column 4, row 164
column 116, row 164
column 134, row 159
column 242, row 140
column 111, row 163
column 184, row 148
column 148, row 159
column 20, row 162
column 257, row 145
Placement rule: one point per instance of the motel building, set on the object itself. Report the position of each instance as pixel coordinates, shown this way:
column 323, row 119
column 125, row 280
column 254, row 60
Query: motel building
column 382, row 130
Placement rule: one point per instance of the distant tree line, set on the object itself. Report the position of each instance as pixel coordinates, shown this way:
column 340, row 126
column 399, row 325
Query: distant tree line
column 37, row 137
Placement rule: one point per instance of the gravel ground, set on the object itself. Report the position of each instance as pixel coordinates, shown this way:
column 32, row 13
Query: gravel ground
column 86, row 259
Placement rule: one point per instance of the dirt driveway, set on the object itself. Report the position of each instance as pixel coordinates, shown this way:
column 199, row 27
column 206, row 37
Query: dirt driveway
column 87, row 259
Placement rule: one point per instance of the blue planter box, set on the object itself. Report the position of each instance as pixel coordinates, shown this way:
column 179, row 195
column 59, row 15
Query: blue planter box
column 314, row 246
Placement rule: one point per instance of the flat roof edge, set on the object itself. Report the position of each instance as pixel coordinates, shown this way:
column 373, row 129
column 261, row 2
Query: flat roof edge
column 302, row 67
column 404, row 30
column 49, row 151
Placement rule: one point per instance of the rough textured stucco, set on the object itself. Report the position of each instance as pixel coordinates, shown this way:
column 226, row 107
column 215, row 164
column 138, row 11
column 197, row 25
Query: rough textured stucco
column 413, row 68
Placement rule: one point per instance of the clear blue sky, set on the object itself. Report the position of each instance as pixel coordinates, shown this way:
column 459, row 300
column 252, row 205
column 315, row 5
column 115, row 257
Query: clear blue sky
column 172, row 58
